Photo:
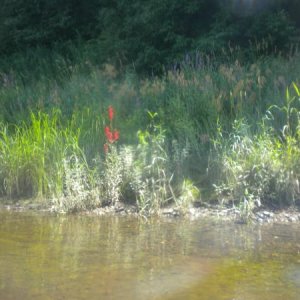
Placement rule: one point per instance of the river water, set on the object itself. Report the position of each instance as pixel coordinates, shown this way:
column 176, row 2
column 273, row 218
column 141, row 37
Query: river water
column 44, row 256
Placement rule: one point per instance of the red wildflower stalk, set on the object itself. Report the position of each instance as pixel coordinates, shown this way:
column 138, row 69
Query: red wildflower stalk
column 116, row 135
column 107, row 131
column 111, row 113
column 110, row 134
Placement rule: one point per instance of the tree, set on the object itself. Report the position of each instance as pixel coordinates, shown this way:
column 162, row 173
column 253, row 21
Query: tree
column 149, row 33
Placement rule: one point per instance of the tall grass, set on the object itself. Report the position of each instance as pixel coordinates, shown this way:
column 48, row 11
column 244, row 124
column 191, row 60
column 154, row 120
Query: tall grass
column 262, row 168
column 188, row 101
column 52, row 130
column 144, row 175
column 33, row 156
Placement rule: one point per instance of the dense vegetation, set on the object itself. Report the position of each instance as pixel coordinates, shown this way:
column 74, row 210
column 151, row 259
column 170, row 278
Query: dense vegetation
column 204, row 103
column 146, row 35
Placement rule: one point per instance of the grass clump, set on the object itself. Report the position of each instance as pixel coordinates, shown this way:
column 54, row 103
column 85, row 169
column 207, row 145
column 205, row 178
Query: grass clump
column 80, row 191
column 143, row 175
column 262, row 168
column 42, row 160
column 31, row 156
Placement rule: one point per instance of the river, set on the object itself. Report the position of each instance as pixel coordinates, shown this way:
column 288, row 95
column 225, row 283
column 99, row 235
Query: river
column 47, row 256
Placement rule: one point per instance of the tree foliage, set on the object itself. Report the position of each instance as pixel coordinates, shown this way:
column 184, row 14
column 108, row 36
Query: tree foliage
column 144, row 34
column 147, row 33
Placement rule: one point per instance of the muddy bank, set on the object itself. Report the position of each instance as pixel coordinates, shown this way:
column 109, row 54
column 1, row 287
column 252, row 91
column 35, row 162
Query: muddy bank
column 288, row 215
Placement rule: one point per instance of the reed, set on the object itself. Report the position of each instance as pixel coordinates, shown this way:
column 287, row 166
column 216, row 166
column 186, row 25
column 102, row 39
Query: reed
column 52, row 124
column 32, row 156
column 262, row 168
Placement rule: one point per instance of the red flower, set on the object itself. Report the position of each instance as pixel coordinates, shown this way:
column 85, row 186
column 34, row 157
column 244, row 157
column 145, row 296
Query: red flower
column 110, row 138
column 111, row 113
column 116, row 135
column 109, row 134
column 106, row 130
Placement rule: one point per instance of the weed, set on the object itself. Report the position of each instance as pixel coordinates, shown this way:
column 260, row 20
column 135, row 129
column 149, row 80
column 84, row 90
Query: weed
column 79, row 193
column 262, row 168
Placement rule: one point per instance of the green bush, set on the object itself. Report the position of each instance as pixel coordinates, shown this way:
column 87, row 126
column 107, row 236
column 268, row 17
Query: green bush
column 36, row 158
column 145, row 36
column 144, row 175
column 261, row 169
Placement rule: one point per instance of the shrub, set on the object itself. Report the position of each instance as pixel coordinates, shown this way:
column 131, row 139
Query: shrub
column 261, row 169
column 79, row 189
column 44, row 161
column 144, row 175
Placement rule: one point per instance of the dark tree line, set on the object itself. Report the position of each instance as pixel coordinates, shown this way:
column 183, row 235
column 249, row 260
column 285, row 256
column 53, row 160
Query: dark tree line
column 144, row 33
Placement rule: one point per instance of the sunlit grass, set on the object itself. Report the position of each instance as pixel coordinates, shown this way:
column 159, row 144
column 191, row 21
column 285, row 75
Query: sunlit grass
column 32, row 156
column 52, row 123
column 262, row 169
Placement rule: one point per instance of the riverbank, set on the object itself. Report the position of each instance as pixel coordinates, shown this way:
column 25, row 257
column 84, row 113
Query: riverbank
column 227, row 133
column 217, row 213
column 212, row 212
column 50, row 256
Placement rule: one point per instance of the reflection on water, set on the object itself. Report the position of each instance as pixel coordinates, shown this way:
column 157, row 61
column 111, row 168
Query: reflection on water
column 81, row 257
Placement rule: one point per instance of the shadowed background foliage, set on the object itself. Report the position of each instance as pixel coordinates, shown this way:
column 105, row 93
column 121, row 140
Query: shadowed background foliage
column 145, row 35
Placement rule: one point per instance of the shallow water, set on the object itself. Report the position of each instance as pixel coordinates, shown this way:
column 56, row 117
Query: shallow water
column 44, row 256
